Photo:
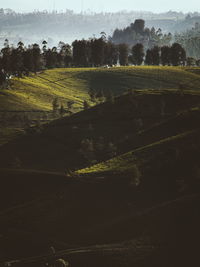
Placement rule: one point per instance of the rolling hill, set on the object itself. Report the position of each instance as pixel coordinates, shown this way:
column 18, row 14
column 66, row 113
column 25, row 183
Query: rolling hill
column 38, row 91
column 96, row 134
column 117, row 183
column 28, row 101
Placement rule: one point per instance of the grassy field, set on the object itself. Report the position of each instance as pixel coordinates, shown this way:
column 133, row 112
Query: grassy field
column 38, row 91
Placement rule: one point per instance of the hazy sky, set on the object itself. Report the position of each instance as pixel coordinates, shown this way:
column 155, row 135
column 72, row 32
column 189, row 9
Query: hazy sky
column 103, row 5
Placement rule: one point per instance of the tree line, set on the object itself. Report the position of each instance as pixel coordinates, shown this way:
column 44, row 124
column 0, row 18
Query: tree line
column 22, row 60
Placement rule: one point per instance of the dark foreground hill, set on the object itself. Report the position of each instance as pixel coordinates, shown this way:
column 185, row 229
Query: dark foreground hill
column 122, row 224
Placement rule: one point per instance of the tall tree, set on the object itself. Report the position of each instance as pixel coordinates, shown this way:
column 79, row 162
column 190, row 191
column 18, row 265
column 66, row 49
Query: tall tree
column 6, row 57
column 123, row 54
column 178, row 55
column 17, row 62
column 98, row 51
column 66, row 53
column 110, row 54
column 81, row 53
column 28, row 60
column 2, row 74
column 137, row 54
column 149, row 57
column 37, row 64
column 165, row 55
column 156, row 55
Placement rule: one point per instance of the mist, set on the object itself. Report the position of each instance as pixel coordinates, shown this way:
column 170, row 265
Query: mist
column 103, row 5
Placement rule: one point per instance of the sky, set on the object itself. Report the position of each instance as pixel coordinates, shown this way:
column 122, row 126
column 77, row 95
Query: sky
column 102, row 5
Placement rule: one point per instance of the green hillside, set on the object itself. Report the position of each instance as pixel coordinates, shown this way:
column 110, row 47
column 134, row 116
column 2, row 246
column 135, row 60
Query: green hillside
column 38, row 91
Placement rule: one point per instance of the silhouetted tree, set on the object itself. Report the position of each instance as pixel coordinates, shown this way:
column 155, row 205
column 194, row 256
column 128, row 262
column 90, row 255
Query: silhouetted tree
column 36, row 57
column 149, row 57
column 28, row 60
column 81, row 53
column 165, row 55
column 97, row 51
column 178, row 55
column 123, row 54
column 16, row 60
column 155, row 55
column 6, row 57
column 110, row 54
column 2, row 77
column 66, row 53
column 52, row 58
column 137, row 54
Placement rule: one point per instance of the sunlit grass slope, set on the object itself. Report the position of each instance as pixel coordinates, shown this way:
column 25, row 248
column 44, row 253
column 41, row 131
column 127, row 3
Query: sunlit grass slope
column 148, row 155
column 38, row 91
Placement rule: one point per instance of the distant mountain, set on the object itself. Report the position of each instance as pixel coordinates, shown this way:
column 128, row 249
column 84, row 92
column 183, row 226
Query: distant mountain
column 67, row 26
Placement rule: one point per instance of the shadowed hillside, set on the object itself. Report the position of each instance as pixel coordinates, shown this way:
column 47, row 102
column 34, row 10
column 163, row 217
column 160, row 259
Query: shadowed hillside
column 143, row 224
column 101, row 132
